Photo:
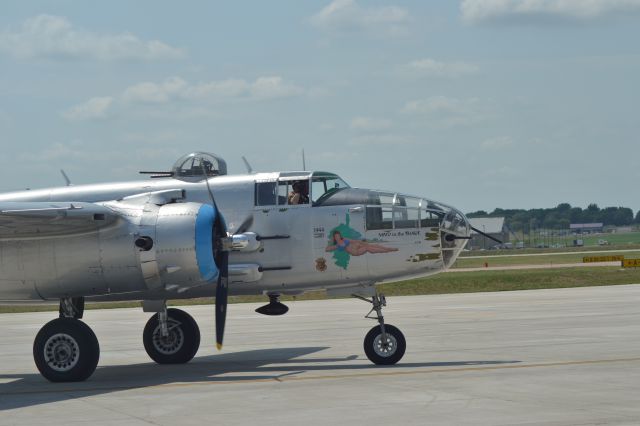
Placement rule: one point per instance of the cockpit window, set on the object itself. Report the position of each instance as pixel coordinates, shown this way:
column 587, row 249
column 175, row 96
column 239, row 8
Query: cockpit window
column 293, row 192
column 266, row 193
column 406, row 212
column 324, row 185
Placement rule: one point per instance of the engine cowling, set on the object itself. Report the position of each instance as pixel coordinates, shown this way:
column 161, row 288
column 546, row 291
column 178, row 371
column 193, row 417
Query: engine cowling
column 180, row 253
column 149, row 248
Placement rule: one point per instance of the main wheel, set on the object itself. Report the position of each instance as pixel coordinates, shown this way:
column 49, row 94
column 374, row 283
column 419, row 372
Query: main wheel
column 182, row 343
column 66, row 350
column 384, row 352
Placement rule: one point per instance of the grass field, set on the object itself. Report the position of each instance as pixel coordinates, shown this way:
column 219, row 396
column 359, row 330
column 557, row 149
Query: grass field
column 469, row 282
column 461, row 282
column 549, row 250
column 538, row 259
column 613, row 239
column 589, row 240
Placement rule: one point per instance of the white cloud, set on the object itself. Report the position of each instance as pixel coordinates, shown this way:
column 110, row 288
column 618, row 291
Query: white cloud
column 368, row 124
column 348, row 16
column 496, row 144
column 440, row 104
column 273, row 87
column 176, row 89
column 149, row 92
column 432, row 68
column 448, row 112
column 94, row 108
column 54, row 37
column 545, row 11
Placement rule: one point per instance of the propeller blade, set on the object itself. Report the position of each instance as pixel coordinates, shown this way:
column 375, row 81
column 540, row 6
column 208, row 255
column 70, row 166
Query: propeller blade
column 222, row 291
column 222, row 260
column 245, row 225
column 486, row 235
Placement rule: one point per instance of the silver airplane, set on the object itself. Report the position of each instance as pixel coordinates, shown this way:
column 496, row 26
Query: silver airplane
column 195, row 231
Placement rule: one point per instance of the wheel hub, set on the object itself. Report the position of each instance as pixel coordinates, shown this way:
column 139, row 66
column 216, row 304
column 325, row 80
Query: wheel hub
column 170, row 344
column 385, row 348
column 61, row 352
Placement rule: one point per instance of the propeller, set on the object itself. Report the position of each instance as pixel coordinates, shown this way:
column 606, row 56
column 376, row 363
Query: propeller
column 221, row 257
column 222, row 288
column 486, row 235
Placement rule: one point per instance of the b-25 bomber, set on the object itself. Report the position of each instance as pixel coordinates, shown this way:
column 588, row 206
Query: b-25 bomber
column 195, row 231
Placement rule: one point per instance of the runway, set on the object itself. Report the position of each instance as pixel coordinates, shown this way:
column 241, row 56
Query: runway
column 553, row 357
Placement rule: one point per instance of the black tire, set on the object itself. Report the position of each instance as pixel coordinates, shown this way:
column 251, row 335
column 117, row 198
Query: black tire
column 66, row 350
column 379, row 354
column 182, row 343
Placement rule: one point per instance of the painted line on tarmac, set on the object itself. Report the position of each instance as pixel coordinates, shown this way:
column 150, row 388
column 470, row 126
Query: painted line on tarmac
column 286, row 378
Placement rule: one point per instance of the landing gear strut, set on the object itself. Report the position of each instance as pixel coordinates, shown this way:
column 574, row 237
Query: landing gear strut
column 384, row 344
column 71, row 307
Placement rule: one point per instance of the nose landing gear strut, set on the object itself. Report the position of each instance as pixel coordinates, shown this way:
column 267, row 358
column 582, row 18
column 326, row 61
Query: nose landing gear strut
column 384, row 344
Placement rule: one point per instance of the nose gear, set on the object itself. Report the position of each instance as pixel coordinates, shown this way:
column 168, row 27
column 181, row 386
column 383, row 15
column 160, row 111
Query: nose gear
column 384, row 344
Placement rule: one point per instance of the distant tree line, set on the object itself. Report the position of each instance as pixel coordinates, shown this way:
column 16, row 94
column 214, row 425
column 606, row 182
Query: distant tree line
column 561, row 216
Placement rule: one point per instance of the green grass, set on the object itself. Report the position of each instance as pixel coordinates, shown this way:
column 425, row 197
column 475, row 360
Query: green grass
column 613, row 239
column 459, row 282
column 549, row 250
column 470, row 282
column 547, row 259
column 621, row 238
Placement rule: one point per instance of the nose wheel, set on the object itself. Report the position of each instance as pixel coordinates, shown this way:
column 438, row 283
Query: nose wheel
column 384, row 344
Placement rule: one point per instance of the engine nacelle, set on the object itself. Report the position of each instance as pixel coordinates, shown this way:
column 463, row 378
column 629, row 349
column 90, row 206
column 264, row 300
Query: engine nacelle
column 175, row 246
column 139, row 247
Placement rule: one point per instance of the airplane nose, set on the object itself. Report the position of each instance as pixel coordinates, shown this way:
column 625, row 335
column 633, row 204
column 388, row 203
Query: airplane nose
column 455, row 231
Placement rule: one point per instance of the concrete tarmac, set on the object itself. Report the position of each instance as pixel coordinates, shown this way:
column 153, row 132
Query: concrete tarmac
column 552, row 357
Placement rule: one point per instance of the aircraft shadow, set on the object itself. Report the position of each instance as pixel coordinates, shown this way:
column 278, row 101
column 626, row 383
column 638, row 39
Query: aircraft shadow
column 26, row 390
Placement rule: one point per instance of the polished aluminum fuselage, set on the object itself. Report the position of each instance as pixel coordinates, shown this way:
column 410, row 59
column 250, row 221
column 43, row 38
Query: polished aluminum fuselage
column 293, row 258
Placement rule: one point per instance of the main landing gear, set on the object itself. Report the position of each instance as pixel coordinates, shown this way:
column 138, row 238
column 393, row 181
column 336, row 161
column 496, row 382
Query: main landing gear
column 171, row 337
column 384, row 344
column 66, row 349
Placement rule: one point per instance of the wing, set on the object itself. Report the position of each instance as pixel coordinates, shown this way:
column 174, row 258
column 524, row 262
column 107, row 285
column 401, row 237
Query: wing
column 44, row 219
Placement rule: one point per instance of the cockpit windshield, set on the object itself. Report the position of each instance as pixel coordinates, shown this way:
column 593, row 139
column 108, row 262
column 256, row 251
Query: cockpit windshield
column 323, row 185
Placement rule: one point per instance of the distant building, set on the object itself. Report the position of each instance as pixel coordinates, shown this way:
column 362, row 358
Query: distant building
column 585, row 228
column 494, row 226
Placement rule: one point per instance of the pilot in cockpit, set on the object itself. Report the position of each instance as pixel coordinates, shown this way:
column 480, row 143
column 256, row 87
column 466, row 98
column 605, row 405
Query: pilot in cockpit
column 300, row 193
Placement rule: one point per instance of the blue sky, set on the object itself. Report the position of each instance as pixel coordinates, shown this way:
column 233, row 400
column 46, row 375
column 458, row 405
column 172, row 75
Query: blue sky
column 476, row 103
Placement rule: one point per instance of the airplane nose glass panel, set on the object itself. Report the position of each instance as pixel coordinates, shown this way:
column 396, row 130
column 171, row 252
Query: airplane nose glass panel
column 454, row 230
column 406, row 212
